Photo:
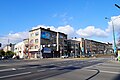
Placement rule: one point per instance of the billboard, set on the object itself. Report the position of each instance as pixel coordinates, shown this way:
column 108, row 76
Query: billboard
column 45, row 35
column 46, row 50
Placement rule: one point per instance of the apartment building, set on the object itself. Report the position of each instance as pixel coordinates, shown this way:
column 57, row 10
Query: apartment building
column 108, row 48
column 89, row 47
column 73, row 49
column 19, row 49
column 45, row 43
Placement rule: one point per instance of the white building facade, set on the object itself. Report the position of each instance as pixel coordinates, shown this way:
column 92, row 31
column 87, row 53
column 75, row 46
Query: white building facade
column 19, row 49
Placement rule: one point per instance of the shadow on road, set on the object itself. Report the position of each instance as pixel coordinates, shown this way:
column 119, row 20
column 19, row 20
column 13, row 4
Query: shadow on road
column 117, row 78
column 69, row 69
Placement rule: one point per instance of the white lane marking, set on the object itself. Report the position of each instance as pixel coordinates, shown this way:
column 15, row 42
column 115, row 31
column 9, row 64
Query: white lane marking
column 15, row 75
column 89, row 67
column 103, row 71
column 70, row 65
column 21, row 68
column 52, row 64
column 53, row 68
column 13, row 69
column 10, row 69
column 42, row 70
column 106, row 67
column 34, row 67
column 110, row 72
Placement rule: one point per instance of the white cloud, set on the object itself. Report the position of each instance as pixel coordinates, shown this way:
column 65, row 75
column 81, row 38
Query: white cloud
column 64, row 29
column 43, row 26
column 91, row 31
column 14, row 37
column 116, row 23
column 88, row 32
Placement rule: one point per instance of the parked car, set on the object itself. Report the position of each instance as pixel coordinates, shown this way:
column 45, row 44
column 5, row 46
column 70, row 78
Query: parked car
column 64, row 56
column 0, row 58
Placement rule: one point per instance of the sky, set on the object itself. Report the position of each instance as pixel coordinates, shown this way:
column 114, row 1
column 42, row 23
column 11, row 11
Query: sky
column 76, row 18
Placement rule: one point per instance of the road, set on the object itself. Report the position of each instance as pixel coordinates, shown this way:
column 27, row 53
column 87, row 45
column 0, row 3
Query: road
column 65, row 69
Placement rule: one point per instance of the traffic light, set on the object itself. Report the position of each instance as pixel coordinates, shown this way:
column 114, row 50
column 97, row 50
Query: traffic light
column 10, row 44
column 0, row 44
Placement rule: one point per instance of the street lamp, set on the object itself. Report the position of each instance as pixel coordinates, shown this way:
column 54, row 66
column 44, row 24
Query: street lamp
column 117, row 6
column 115, row 47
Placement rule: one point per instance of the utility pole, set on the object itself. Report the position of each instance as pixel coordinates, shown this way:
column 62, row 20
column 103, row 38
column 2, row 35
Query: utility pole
column 115, row 46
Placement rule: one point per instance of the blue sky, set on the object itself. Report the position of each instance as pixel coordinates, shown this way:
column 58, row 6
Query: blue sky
column 82, row 18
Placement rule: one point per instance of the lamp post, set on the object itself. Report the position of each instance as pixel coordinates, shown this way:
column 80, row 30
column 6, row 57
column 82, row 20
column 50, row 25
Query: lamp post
column 117, row 6
column 115, row 47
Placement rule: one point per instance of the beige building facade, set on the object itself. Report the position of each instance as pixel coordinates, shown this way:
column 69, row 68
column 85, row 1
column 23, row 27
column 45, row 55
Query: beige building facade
column 45, row 43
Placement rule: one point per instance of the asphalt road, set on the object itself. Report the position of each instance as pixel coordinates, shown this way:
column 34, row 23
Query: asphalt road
column 65, row 69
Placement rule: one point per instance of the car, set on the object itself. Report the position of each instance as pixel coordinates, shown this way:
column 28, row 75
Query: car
column 64, row 56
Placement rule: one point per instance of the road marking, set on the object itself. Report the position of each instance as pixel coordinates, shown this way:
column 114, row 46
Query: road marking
column 103, row 71
column 53, row 68
column 52, row 64
column 7, row 69
column 107, row 67
column 21, row 68
column 15, row 75
column 42, row 70
column 70, row 65
column 88, row 69
column 34, row 67
column 13, row 69
column 110, row 72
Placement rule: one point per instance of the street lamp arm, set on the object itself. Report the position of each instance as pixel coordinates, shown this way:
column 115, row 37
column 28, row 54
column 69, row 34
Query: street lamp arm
column 117, row 6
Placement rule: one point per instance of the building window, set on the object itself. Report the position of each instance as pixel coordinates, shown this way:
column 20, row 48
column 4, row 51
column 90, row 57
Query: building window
column 37, row 33
column 31, row 41
column 36, row 46
column 36, row 40
column 61, row 36
column 32, row 47
column 32, row 34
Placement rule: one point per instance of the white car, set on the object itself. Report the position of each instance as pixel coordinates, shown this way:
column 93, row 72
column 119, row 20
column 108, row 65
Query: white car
column 65, row 56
